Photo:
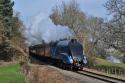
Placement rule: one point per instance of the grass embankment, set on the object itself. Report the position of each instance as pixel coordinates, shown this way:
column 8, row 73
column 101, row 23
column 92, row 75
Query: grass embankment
column 11, row 74
column 107, row 63
column 112, row 68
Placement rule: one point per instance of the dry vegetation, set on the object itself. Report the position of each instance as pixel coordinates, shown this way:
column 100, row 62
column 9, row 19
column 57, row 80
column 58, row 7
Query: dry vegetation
column 44, row 74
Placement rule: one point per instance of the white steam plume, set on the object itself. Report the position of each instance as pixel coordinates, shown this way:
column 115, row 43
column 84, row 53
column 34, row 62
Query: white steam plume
column 113, row 59
column 43, row 29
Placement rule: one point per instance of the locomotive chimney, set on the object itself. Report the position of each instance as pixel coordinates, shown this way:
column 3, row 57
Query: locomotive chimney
column 73, row 40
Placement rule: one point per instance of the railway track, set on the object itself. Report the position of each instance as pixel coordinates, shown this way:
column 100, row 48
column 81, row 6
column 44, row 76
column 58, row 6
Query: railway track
column 101, row 77
column 87, row 73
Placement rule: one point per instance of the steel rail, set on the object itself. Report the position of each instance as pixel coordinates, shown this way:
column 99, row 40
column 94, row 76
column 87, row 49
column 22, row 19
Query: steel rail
column 104, row 78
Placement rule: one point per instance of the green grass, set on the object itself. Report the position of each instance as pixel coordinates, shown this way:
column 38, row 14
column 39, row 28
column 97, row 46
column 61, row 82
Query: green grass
column 111, row 68
column 11, row 74
column 100, row 61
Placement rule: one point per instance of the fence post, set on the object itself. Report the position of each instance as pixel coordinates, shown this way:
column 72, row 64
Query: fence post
column 115, row 71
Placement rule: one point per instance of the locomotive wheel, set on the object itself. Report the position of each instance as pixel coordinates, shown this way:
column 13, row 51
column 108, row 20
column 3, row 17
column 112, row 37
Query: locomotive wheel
column 63, row 66
column 60, row 65
column 70, row 67
column 57, row 64
column 76, row 68
column 54, row 63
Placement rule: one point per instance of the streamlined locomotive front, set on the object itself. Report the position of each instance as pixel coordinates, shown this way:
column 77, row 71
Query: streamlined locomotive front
column 79, row 59
column 69, row 52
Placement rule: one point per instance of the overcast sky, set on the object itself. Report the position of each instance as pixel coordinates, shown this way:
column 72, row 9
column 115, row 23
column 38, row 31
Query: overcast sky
column 30, row 8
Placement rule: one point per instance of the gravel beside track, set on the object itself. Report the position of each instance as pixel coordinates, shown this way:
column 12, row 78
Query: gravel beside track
column 81, row 78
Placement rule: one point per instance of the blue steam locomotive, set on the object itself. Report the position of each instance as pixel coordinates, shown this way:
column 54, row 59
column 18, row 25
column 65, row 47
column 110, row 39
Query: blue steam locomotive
column 68, row 54
column 64, row 53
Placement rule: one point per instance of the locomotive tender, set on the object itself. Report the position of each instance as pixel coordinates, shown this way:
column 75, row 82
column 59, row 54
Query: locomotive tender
column 66, row 53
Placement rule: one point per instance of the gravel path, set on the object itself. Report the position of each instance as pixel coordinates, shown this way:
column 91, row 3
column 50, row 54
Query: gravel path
column 81, row 78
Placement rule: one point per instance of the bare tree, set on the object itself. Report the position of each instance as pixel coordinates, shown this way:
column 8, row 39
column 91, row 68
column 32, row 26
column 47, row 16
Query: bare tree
column 95, row 33
column 69, row 15
column 116, row 26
